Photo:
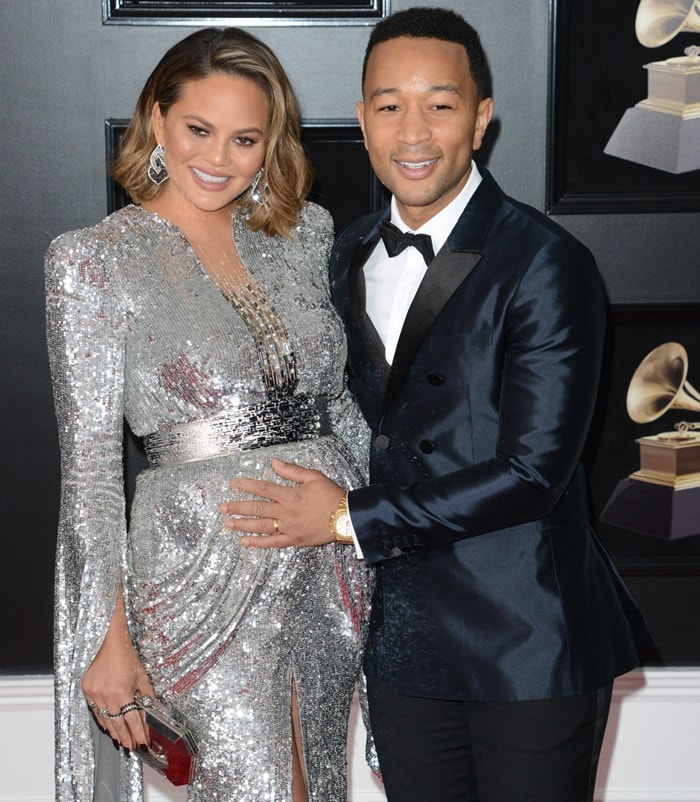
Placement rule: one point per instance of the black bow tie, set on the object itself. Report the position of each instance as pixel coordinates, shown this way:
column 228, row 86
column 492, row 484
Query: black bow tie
column 396, row 241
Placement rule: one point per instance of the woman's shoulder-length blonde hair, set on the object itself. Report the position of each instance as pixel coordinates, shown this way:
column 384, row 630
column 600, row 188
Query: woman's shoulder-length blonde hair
column 230, row 51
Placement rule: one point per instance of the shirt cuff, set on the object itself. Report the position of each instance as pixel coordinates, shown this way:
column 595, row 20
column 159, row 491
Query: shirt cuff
column 358, row 549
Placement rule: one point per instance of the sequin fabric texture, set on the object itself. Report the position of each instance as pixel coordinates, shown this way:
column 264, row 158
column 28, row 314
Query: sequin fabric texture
column 138, row 330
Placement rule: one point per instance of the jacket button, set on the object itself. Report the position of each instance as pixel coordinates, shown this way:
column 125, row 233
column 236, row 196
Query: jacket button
column 382, row 442
column 435, row 379
column 427, row 446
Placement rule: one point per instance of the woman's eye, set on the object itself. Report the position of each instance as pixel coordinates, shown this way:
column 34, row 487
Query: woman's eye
column 245, row 141
column 197, row 131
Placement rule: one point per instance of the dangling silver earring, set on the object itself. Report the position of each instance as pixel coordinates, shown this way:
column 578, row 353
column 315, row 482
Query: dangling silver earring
column 158, row 172
column 257, row 193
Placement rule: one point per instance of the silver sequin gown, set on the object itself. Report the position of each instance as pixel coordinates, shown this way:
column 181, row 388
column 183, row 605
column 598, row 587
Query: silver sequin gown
column 138, row 330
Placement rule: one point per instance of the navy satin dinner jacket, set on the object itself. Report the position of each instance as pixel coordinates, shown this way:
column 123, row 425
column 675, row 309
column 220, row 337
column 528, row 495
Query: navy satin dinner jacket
column 491, row 583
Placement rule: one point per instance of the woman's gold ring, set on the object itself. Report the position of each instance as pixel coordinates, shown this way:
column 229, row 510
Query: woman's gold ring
column 275, row 526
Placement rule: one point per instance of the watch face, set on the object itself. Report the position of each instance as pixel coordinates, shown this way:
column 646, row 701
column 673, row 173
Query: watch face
column 341, row 525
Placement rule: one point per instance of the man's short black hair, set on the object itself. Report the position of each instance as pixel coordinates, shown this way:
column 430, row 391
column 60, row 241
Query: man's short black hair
column 433, row 23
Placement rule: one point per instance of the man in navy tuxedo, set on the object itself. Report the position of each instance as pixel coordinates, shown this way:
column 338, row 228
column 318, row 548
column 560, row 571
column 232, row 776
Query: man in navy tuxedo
column 498, row 622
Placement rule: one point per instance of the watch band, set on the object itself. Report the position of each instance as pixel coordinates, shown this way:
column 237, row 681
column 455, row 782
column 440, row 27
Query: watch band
column 340, row 522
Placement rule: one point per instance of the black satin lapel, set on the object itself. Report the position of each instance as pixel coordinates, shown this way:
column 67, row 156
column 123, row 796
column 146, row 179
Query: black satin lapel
column 356, row 283
column 444, row 275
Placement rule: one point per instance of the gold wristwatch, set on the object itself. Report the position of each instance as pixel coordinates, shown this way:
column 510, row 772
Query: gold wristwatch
column 340, row 523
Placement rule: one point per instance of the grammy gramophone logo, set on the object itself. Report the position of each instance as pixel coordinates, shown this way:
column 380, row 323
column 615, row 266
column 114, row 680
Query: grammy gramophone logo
column 662, row 498
column 663, row 130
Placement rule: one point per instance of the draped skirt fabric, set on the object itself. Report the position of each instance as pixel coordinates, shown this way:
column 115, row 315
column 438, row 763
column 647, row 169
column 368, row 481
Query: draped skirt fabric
column 226, row 632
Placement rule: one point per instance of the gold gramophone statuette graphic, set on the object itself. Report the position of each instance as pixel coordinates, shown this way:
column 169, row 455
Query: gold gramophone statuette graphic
column 663, row 130
column 662, row 498
column 659, row 384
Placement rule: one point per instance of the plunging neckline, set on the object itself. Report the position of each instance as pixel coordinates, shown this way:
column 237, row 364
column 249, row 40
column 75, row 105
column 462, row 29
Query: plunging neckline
column 253, row 307
column 250, row 283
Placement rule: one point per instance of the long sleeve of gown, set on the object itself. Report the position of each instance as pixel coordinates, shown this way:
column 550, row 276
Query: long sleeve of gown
column 85, row 334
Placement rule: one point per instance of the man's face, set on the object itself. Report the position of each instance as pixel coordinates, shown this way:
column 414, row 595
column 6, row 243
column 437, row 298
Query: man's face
column 421, row 120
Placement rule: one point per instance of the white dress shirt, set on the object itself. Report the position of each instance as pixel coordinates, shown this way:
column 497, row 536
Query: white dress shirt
column 391, row 282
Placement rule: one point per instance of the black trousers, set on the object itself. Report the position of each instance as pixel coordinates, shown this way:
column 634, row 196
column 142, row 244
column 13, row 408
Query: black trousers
column 434, row 750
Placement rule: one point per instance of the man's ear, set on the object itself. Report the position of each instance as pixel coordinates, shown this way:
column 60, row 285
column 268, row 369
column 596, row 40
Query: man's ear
column 360, row 111
column 484, row 113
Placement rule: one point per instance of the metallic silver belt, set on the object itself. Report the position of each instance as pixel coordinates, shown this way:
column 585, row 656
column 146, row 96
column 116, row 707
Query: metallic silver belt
column 244, row 428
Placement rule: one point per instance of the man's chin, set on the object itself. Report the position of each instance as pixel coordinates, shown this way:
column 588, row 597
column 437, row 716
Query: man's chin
column 416, row 200
column 420, row 206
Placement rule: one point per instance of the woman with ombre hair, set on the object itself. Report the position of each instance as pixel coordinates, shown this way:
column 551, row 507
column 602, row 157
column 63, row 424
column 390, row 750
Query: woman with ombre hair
column 200, row 313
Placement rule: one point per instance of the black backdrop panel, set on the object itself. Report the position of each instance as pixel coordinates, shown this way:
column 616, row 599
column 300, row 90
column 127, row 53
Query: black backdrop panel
column 662, row 575
column 612, row 453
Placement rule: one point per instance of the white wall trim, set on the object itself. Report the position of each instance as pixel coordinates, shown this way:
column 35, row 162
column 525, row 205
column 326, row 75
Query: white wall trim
column 651, row 745
column 650, row 752
column 25, row 692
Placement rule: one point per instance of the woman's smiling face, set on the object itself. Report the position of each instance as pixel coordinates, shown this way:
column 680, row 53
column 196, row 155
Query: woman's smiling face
column 214, row 137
